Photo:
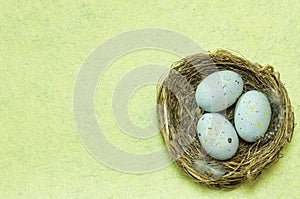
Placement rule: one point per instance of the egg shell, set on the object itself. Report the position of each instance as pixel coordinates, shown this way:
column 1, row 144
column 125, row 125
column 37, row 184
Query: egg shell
column 219, row 90
column 217, row 136
column 252, row 115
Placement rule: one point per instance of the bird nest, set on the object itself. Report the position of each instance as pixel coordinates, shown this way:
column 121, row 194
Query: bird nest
column 178, row 114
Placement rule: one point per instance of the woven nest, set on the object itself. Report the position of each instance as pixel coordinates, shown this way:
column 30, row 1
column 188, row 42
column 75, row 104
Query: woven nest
column 178, row 114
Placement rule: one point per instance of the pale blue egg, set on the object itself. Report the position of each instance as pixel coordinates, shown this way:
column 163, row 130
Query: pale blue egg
column 219, row 90
column 217, row 136
column 252, row 115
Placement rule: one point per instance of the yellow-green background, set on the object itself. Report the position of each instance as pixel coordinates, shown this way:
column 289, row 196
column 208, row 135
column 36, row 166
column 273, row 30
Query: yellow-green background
column 43, row 44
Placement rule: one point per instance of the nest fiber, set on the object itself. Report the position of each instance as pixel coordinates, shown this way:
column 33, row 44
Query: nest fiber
column 178, row 114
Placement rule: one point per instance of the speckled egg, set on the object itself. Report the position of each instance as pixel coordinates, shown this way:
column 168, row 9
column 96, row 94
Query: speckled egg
column 252, row 115
column 217, row 136
column 219, row 90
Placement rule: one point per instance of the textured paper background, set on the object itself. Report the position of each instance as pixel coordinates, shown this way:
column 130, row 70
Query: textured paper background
column 43, row 44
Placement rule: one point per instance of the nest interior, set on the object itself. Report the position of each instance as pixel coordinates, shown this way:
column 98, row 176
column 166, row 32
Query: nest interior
column 178, row 114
